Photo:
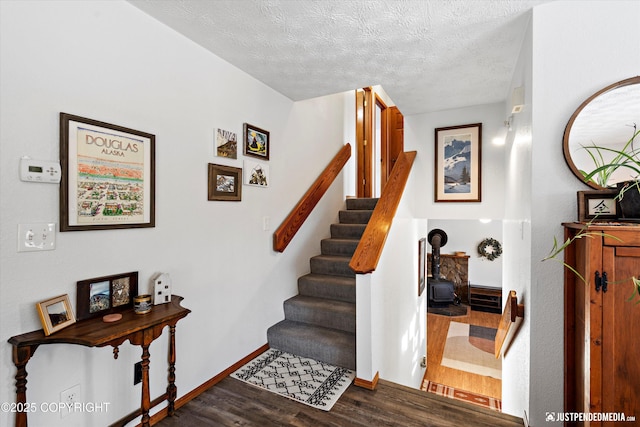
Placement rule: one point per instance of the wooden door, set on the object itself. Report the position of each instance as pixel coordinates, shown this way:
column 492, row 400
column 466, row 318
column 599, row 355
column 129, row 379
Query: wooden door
column 395, row 121
column 390, row 143
column 620, row 337
column 364, row 131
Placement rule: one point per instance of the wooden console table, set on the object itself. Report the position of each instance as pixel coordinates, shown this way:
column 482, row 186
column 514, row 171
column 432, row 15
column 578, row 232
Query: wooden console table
column 139, row 329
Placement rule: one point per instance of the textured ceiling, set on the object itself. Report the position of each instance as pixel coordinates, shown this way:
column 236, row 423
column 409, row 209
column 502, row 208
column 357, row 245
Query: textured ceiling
column 428, row 55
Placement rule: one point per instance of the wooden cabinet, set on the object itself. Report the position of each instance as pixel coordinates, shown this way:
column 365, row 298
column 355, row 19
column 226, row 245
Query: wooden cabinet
column 602, row 343
column 482, row 298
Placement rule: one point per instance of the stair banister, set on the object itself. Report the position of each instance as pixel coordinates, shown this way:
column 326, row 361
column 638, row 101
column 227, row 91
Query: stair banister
column 367, row 254
column 509, row 322
column 290, row 226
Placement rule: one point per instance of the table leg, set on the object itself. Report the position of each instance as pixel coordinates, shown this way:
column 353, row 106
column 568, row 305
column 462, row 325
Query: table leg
column 21, row 356
column 146, row 400
column 171, row 388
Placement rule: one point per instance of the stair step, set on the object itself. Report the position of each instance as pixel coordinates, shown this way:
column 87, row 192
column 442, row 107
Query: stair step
column 332, row 265
column 325, row 286
column 326, row 345
column 342, row 247
column 321, row 312
column 354, row 216
column 362, row 203
column 347, row 231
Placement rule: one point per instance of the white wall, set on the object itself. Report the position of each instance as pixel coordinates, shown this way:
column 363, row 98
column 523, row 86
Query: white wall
column 109, row 61
column 572, row 58
column 391, row 317
column 517, row 238
column 419, row 134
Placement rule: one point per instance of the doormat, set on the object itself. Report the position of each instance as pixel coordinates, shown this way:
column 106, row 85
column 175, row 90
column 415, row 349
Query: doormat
column 465, row 396
column 470, row 348
column 305, row 380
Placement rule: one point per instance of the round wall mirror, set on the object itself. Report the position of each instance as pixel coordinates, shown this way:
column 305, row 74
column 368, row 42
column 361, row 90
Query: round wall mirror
column 609, row 118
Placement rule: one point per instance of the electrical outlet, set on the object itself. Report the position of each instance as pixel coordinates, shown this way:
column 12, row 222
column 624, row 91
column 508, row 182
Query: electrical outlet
column 68, row 398
column 137, row 373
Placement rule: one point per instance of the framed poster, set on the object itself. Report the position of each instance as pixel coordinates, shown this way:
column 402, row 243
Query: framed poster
column 108, row 176
column 256, row 142
column 458, row 163
column 224, row 183
column 105, row 295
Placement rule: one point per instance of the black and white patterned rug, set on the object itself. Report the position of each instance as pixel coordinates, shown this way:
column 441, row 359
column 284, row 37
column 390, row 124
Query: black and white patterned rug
column 302, row 379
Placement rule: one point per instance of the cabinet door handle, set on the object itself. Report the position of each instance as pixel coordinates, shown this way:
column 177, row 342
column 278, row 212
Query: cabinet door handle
column 598, row 281
column 605, row 283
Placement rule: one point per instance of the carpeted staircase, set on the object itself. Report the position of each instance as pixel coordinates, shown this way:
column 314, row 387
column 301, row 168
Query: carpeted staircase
column 320, row 322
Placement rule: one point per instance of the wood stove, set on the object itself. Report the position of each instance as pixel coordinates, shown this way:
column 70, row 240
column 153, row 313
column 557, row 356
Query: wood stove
column 440, row 291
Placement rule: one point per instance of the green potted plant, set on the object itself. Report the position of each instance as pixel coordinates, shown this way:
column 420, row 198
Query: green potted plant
column 628, row 157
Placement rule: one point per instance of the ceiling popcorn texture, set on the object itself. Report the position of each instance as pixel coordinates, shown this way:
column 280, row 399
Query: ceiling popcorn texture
column 428, row 55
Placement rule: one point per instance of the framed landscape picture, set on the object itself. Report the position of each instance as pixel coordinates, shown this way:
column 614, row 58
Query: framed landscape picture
column 256, row 142
column 224, row 183
column 108, row 176
column 458, row 163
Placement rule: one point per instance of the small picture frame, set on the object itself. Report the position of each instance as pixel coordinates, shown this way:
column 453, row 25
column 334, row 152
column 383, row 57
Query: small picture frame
column 597, row 205
column 225, row 183
column 422, row 256
column 458, row 163
column 106, row 295
column 226, row 144
column 55, row 314
column 256, row 173
column 256, row 142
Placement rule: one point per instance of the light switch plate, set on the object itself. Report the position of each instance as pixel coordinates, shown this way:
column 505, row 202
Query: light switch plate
column 36, row 237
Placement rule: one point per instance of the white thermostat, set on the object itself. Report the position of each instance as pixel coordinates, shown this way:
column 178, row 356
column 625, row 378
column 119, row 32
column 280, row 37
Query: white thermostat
column 40, row 171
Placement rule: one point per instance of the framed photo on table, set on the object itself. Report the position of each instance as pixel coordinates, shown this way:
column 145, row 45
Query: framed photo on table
column 55, row 314
column 106, row 295
column 108, row 176
column 597, row 205
column 458, row 163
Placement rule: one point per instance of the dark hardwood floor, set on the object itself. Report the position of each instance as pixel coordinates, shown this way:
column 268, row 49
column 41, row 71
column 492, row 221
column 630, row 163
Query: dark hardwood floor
column 234, row 403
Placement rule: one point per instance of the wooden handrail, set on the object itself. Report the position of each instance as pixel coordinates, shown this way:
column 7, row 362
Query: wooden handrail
column 292, row 223
column 512, row 311
column 365, row 258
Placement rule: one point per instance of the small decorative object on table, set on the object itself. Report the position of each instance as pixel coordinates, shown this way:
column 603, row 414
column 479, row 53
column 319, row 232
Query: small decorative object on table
column 142, row 304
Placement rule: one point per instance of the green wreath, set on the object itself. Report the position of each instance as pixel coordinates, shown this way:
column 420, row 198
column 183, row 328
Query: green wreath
column 490, row 249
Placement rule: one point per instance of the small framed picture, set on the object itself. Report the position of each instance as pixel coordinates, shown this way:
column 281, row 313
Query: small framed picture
column 458, row 163
column 226, row 144
column 597, row 205
column 55, row 314
column 225, row 183
column 256, row 142
column 256, row 173
column 422, row 256
column 105, row 295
